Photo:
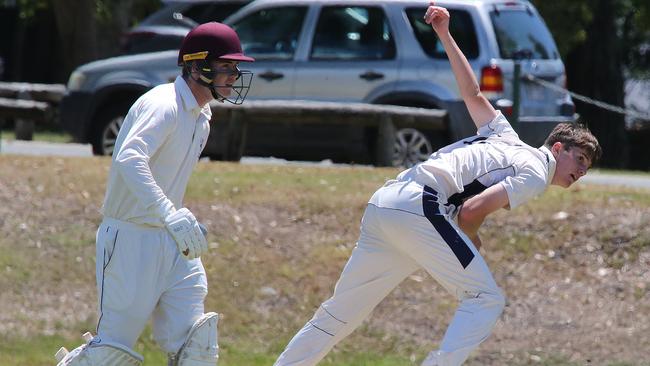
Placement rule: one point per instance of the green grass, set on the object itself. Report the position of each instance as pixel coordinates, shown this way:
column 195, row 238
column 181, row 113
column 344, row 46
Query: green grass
column 314, row 189
column 292, row 229
column 37, row 350
column 39, row 135
column 40, row 350
column 542, row 359
column 366, row 359
column 619, row 172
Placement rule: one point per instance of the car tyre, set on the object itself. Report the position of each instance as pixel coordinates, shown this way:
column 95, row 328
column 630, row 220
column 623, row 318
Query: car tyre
column 411, row 147
column 109, row 122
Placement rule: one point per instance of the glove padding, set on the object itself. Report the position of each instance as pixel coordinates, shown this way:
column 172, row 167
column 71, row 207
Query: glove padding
column 187, row 233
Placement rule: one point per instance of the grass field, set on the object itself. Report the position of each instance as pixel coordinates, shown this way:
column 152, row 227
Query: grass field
column 575, row 265
column 39, row 135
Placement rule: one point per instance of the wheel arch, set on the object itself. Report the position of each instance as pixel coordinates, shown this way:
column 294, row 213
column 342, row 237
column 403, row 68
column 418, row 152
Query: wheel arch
column 110, row 96
column 419, row 100
column 437, row 138
column 410, row 99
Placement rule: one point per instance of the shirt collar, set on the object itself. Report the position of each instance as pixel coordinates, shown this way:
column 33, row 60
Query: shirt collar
column 550, row 163
column 189, row 101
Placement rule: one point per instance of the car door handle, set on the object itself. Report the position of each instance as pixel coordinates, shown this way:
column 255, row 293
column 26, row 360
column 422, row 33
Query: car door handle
column 271, row 75
column 371, row 75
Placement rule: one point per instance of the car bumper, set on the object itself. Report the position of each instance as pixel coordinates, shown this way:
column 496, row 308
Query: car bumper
column 75, row 109
column 548, row 119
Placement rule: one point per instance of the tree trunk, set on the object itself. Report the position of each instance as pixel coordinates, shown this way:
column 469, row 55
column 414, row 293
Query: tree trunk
column 75, row 20
column 115, row 23
column 595, row 70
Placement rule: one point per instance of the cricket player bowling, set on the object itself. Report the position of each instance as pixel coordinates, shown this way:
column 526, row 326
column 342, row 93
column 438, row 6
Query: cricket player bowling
column 429, row 216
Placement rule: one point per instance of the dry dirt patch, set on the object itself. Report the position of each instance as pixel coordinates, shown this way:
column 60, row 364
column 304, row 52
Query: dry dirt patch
column 575, row 265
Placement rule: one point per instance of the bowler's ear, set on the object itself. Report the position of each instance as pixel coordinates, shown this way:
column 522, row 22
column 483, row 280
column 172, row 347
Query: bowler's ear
column 556, row 148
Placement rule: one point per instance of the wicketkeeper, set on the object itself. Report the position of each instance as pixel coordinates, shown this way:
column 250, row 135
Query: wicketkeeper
column 148, row 244
column 429, row 216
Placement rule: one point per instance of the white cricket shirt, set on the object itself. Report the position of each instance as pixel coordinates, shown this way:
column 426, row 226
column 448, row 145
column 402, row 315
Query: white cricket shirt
column 156, row 150
column 466, row 168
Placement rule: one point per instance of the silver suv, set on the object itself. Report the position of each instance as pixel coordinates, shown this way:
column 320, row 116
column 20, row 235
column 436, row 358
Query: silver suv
column 373, row 51
column 166, row 28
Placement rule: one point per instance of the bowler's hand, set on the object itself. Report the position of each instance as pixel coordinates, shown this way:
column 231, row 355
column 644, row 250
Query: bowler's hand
column 438, row 17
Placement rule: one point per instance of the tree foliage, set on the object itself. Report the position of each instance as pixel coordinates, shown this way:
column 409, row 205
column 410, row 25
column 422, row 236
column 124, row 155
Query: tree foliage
column 570, row 20
column 86, row 29
column 28, row 8
column 602, row 42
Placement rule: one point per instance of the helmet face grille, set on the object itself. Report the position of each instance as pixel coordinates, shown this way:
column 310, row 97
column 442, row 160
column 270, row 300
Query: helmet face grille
column 206, row 76
column 239, row 89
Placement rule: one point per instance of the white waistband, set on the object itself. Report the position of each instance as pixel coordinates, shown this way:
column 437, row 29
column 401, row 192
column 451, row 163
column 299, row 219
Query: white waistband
column 120, row 224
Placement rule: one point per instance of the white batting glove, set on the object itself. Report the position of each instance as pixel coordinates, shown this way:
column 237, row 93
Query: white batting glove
column 187, row 233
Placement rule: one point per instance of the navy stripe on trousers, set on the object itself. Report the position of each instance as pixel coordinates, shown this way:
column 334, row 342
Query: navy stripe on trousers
column 444, row 228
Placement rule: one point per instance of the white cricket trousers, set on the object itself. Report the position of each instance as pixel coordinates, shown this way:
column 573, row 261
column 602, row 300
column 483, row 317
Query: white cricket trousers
column 140, row 274
column 392, row 245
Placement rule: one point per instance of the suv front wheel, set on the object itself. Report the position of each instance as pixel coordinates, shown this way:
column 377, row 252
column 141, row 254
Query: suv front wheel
column 411, row 147
column 109, row 122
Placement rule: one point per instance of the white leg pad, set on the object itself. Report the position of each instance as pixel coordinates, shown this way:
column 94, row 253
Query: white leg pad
column 104, row 354
column 200, row 347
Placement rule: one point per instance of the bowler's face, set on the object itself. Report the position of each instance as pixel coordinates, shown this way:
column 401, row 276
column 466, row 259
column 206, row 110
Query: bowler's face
column 571, row 165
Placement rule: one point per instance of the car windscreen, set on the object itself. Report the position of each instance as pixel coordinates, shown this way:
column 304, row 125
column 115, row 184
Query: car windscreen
column 212, row 13
column 279, row 36
column 189, row 15
column 522, row 34
column 461, row 27
column 352, row 33
column 168, row 15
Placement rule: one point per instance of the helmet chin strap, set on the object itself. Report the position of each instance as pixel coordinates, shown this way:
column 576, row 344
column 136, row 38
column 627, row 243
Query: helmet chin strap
column 215, row 94
column 207, row 82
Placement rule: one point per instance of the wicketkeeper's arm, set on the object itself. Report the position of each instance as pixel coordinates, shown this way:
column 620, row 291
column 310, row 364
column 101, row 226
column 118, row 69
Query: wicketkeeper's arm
column 146, row 130
column 147, row 134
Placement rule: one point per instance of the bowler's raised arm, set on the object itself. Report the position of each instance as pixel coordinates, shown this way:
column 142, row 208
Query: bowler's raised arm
column 479, row 107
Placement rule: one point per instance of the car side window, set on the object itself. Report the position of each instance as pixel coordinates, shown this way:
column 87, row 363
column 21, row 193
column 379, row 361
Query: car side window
column 461, row 27
column 520, row 34
column 215, row 12
column 271, row 34
column 352, row 33
column 196, row 12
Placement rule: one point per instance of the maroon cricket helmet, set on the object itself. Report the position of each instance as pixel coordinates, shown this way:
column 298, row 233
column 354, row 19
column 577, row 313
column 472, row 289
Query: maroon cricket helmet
column 211, row 41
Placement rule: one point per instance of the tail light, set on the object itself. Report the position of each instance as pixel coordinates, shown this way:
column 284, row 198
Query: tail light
column 505, row 106
column 491, row 79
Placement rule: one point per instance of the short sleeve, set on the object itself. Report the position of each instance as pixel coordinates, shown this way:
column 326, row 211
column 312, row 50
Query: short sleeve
column 498, row 126
column 524, row 186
